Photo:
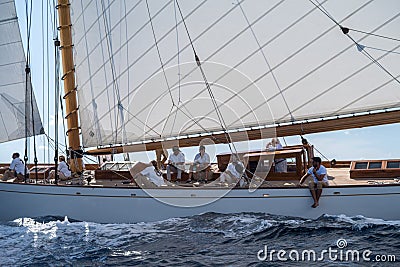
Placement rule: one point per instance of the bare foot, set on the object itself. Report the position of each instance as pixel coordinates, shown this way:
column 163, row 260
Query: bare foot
column 314, row 205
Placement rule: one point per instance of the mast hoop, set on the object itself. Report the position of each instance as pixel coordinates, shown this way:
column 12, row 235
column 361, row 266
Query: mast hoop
column 66, row 46
column 64, row 26
column 63, row 5
column 74, row 129
column 72, row 112
column 67, row 73
column 70, row 91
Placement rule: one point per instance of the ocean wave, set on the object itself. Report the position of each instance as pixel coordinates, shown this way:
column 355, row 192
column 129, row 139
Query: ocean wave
column 209, row 238
column 230, row 225
column 360, row 222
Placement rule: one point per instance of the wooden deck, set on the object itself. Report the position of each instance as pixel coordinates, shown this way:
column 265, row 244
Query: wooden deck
column 339, row 176
column 336, row 176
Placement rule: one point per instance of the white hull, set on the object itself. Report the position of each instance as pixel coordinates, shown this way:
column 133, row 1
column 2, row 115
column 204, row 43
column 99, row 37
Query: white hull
column 124, row 205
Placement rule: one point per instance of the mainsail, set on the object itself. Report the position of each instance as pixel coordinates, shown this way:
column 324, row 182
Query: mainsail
column 16, row 105
column 266, row 62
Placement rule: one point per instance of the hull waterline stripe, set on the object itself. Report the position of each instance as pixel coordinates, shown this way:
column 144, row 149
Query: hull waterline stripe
column 79, row 194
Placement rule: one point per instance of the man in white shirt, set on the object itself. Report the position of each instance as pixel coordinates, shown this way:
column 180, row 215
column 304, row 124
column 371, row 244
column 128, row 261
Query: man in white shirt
column 64, row 172
column 16, row 170
column 320, row 179
column 175, row 163
column 201, row 163
column 147, row 175
column 233, row 174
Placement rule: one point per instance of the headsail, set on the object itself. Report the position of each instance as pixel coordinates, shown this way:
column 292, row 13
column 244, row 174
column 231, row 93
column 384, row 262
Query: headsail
column 275, row 62
column 13, row 81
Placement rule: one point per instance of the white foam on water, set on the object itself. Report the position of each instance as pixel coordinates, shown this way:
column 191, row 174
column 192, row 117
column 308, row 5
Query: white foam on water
column 40, row 231
column 233, row 226
column 132, row 254
column 359, row 222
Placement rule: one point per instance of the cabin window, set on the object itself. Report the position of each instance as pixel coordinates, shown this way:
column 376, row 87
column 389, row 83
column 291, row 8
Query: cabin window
column 375, row 165
column 291, row 164
column 385, row 168
column 393, row 164
column 361, row 165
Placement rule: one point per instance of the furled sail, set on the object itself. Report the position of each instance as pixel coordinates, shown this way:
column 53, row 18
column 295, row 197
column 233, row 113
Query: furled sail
column 15, row 107
column 262, row 63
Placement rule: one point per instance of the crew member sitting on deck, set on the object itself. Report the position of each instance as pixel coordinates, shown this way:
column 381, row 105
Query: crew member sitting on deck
column 147, row 175
column 175, row 163
column 16, row 170
column 63, row 170
column 280, row 164
column 201, row 164
column 320, row 179
column 233, row 174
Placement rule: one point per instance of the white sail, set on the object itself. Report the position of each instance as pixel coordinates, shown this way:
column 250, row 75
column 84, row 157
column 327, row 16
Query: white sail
column 14, row 106
column 306, row 68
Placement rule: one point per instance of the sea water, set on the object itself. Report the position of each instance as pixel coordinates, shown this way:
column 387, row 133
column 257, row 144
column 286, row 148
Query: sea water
column 245, row 239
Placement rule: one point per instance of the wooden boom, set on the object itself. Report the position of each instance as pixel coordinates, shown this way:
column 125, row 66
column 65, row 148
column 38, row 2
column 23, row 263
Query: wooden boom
column 300, row 128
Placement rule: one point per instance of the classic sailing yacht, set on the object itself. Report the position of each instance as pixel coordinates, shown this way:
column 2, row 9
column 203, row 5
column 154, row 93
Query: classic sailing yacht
column 156, row 74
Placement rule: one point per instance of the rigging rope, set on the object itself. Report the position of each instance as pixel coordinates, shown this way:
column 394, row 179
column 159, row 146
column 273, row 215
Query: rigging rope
column 179, row 71
column 43, row 76
column 255, row 51
column 178, row 52
column 265, row 59
column 127, row 50
column 35, row 160
column 119, row 112
column 158, row 52
column 164, row 36
column 57, row 97
column 232, row 147
column 368, row 55
column 376, row 35
column 229, row 41
column 346, row 32
column 322, row 64
column 80, row 154
column 28, row 14
column 342, row 81
column 63, row 121
column 47, row 71
column 321, row 153
column 165, row 77
column 275, row 37
column 361, row 47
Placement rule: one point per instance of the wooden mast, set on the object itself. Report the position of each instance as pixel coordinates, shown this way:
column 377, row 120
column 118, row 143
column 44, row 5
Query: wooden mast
column 74, row 143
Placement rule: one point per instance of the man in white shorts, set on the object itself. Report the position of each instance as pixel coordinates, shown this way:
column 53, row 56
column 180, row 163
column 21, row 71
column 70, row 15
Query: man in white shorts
column 320, row 180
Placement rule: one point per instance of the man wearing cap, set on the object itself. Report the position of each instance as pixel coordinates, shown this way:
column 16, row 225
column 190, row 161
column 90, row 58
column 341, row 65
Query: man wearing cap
column 175, row 163
column 320, row 179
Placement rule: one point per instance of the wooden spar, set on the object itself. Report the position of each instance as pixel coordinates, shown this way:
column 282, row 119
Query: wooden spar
column 74, row 143
column 325, row 125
